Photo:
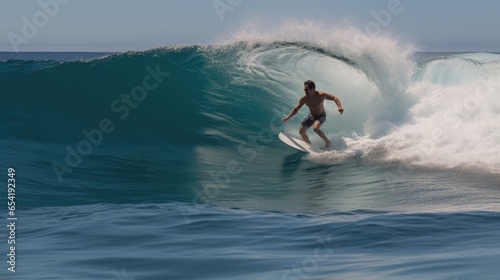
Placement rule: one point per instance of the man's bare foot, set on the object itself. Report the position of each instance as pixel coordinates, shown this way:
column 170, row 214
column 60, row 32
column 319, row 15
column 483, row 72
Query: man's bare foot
column 326, row 147
column 306, row 139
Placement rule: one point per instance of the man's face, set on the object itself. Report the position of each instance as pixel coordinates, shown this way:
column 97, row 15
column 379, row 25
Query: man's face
column 307, row 90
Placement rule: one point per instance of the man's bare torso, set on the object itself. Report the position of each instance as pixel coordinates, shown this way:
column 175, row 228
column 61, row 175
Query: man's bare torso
column 315, row 103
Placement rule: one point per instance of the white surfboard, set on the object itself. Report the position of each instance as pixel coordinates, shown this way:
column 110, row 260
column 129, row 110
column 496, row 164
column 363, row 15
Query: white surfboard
column 299, row 144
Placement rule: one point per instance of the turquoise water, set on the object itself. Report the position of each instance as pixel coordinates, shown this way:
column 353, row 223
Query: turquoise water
column 188, row 179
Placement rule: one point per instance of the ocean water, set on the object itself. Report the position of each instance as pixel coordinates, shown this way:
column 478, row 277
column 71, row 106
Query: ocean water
column 165, row 164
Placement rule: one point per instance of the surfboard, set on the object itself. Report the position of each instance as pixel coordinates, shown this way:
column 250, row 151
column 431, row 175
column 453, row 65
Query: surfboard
column 299, row 144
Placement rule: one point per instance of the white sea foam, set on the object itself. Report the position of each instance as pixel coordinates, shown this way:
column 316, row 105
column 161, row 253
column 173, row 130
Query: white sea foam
column 444, row 113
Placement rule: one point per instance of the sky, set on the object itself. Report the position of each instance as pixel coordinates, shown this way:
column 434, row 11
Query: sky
column 121, row 25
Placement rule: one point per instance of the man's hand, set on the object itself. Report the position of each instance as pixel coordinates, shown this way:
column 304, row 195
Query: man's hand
column 284, row 119
column 341, row 110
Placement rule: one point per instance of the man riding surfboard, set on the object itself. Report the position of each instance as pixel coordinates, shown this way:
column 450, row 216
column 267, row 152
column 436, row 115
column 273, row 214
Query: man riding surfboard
column 314, row 100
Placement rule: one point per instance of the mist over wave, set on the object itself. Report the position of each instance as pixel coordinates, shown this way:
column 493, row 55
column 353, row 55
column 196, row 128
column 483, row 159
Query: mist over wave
column 439, row 112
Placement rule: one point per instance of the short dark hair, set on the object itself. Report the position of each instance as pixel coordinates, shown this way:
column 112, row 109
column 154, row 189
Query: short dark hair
column 310, row 84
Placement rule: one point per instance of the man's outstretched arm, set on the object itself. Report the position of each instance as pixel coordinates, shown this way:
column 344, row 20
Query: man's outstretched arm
column 336, row 100
column 294, row 111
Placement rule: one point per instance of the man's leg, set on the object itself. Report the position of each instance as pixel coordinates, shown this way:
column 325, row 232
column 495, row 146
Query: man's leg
column 316, row 127
column 303, row 134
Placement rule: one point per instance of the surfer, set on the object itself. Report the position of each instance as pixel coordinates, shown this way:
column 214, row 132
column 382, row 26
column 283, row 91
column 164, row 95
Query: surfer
column 314, row 100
